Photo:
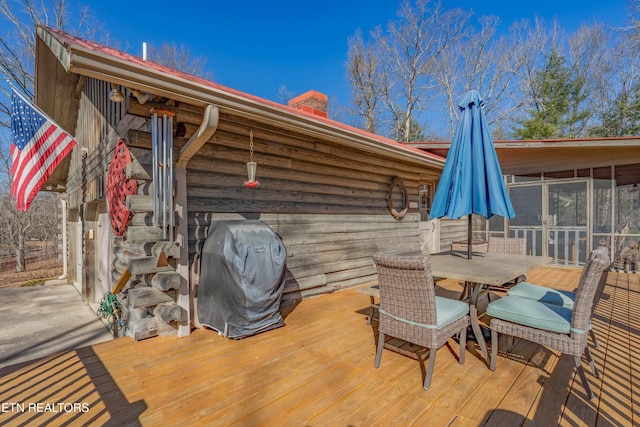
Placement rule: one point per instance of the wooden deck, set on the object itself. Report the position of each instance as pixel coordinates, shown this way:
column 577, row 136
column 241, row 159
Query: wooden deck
column 318, row 371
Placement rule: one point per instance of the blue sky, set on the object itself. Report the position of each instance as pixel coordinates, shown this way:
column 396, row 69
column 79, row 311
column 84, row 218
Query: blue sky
column 259, row 46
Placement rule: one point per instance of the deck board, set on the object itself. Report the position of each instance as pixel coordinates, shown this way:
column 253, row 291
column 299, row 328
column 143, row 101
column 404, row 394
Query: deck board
column 616, row 369
column 318, row 370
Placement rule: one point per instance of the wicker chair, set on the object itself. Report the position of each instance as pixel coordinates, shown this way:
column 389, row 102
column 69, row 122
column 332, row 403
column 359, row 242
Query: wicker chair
column 410, row 310
column 508, row 245
column 554, row 326
column 559, row 297
column 503, row 245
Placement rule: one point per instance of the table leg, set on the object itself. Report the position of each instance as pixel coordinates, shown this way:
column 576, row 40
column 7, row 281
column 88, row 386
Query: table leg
column 475, row 325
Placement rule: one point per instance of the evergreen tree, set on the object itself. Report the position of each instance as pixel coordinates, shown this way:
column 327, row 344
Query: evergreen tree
column 416, row 133
column 621, row 118
column 551, row 112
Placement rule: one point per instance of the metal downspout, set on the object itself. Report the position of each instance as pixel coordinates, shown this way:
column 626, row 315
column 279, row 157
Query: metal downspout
column 63, row 202
column 197, row 140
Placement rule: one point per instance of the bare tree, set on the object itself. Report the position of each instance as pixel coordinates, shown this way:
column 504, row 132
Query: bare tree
column 284, row 95
column 616, row 96
column 583, row 57
column 633, row 29
column 393, row 73
column 414, row 43
column 480, row 61
column 538, row 40
column 18, row 42
column 17, row 63
column 365, row 73
column 179, row 58
column 40, row 221
column 588, row 48
column 428, row 57
column 499, row 83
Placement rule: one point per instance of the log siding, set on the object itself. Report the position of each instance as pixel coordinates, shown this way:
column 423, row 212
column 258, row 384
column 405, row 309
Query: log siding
column 327, row 202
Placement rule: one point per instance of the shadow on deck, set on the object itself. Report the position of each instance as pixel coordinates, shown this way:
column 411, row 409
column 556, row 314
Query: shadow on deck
column 318, row 370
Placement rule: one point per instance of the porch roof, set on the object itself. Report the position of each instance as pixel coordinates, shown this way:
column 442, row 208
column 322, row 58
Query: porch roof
column 544, row 156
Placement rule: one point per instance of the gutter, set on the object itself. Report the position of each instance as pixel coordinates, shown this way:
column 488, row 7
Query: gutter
column 206, row 130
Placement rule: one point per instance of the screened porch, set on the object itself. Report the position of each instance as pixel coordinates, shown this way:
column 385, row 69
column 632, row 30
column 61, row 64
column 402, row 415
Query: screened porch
column 565, row 215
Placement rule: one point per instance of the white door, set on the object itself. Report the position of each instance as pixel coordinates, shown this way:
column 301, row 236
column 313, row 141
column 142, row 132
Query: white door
column 103, row 256
column 429, row 228
column 430, row 236
column 78, row 279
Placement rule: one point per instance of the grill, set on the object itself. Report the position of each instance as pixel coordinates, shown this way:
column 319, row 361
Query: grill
column 243, row 266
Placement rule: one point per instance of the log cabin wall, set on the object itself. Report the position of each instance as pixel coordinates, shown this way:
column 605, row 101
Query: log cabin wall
column 452, row 230
column 327, row 202
column 96, row 136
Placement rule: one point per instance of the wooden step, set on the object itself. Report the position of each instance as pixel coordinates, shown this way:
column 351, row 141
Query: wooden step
column 139, row 203
column 165, row 330
column 143, row 328
column 148, row 264
column 149, row 248
column 137, row 170
column 149, row 327
column 147, row 297
column 142, row 233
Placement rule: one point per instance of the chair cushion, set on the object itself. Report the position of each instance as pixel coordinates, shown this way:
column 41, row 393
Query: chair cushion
column 449, row 310
column 532, row 313
column 543, row 294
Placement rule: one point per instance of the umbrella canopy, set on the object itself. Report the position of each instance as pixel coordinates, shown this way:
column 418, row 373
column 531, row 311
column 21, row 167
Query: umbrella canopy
column 471, row 180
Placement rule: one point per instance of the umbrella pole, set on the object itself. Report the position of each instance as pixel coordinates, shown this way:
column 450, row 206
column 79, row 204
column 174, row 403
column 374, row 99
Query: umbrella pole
column 469, row 238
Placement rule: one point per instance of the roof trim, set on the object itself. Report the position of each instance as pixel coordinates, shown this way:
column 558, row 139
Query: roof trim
column 620, row 141
column 547, row 156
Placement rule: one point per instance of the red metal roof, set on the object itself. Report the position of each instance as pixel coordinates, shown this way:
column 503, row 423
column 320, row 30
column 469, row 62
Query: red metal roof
column 73, row 42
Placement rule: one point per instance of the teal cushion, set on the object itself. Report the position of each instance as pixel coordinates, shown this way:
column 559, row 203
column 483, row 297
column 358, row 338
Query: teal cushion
column 543, row 294
column 532, row 313
column 449, row 310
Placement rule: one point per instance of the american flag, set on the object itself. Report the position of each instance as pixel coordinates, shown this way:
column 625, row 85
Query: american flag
column 38, row 145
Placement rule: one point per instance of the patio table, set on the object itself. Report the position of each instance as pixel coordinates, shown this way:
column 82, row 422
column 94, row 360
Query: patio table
column 483, row 268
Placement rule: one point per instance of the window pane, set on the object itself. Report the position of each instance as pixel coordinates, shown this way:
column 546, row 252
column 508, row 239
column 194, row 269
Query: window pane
column 496, row 223
column 627, row 209
column 527, row 178
column 426, row 191
column 568, row 204
column 602, row 204
column 527, row 203
column 627, row 226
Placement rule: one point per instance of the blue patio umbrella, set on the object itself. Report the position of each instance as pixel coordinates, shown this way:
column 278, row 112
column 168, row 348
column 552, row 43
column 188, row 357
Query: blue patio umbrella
column 471, row 180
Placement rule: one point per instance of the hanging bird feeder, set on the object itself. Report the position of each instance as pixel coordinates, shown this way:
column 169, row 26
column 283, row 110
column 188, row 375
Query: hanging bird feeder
column 251, row 181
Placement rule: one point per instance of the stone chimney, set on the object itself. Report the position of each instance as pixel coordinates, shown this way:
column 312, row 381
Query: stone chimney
column 312, row 102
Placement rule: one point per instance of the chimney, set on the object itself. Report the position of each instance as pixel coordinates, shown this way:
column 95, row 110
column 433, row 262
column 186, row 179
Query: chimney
column 312, row 102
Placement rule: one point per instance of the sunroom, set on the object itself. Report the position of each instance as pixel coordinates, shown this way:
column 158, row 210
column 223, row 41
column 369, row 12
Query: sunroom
column 570, row 196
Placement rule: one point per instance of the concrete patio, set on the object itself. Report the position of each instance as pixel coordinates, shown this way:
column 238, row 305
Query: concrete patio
column 38, row 321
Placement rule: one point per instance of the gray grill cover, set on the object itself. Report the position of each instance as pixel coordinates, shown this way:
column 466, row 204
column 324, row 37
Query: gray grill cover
column 242, row 277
